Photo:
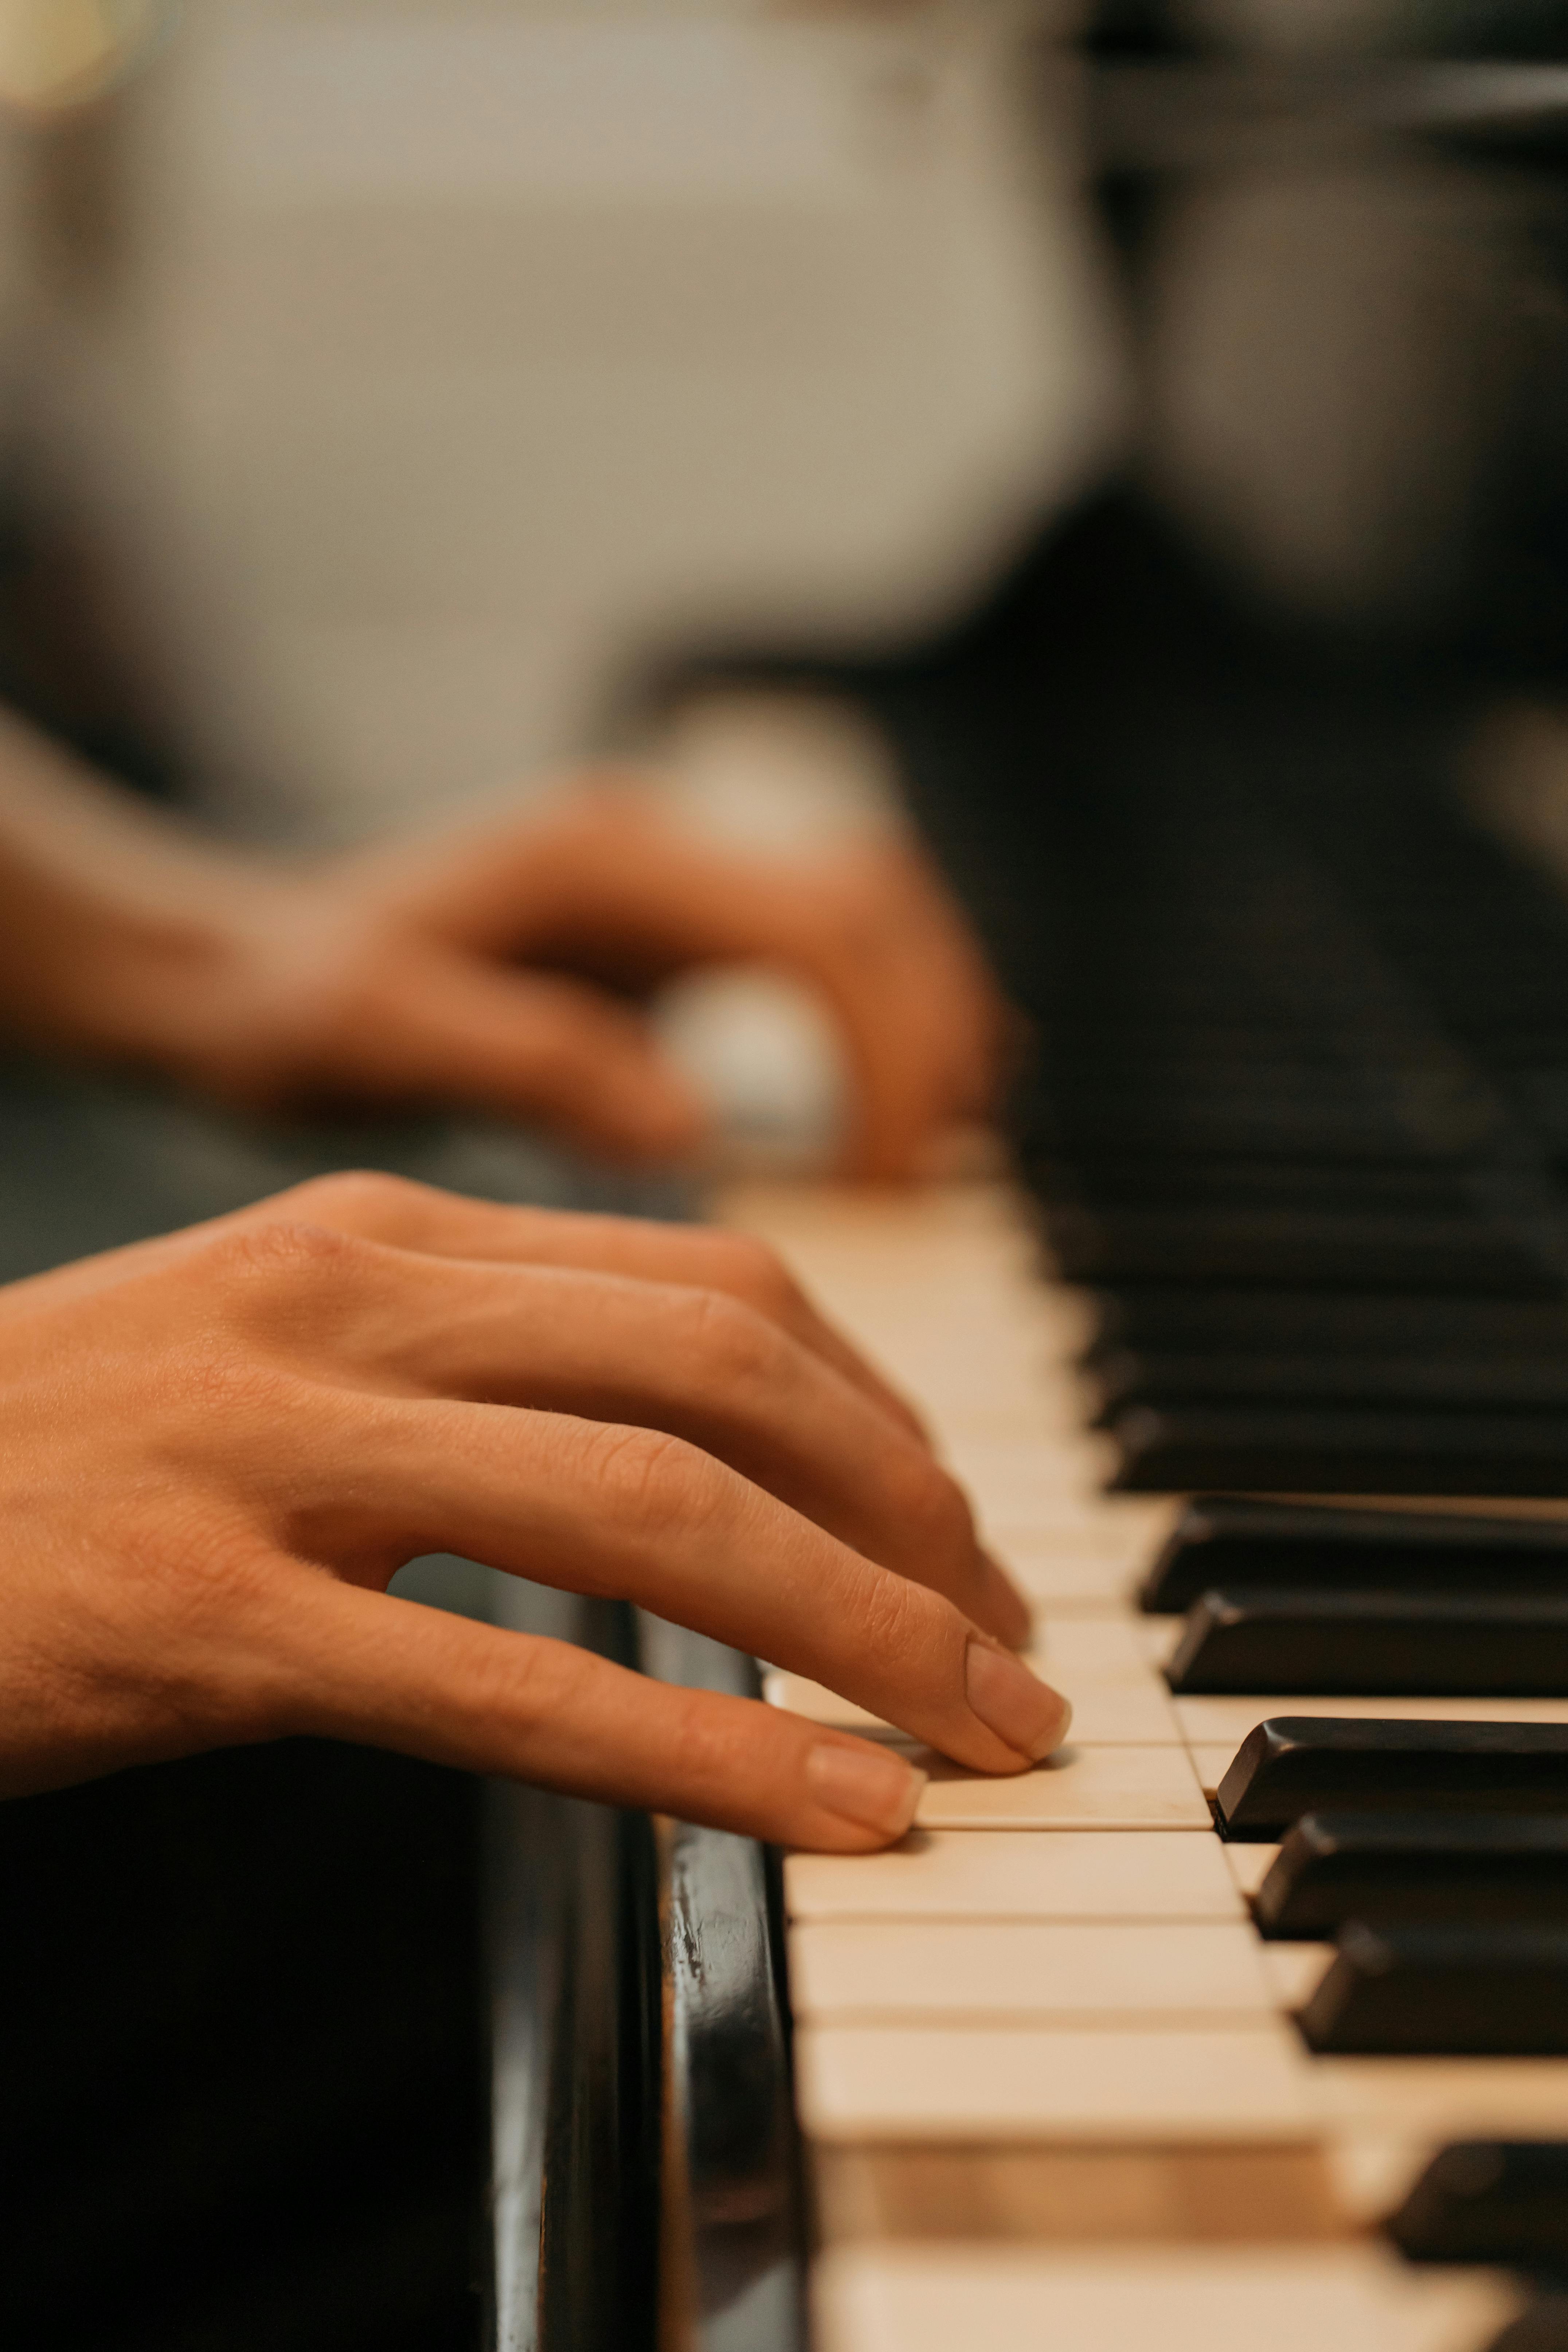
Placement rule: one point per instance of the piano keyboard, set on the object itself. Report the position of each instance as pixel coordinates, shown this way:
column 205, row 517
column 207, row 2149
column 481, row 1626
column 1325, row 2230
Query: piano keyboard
column 1049, row 2072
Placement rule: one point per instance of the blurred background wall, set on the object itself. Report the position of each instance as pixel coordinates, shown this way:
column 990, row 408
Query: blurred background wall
column 405, row 370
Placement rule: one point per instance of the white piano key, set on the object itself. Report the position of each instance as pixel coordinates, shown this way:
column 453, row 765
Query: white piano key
column 1113, row 1717
column 978, row 1370
column 1209, row 1722
column 1109, row 1651
column 1062, row 1571
column 975, row 1361
column 1013, row 1409
column 1295, row 1971
column 1248, row 1864
column 1025, row 1485
column 908, row 2299
column 1088, row 1521
column 1142, row 1875
column 1373, row 2172
column 799, row 1695
column 890, row 1972
column 1086, row 1788
column 1212, row 1764
column 974, row 2082
column 1443, row 2098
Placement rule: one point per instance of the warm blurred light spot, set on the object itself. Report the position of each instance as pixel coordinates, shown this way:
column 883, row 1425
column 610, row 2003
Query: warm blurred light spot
column 56, row 54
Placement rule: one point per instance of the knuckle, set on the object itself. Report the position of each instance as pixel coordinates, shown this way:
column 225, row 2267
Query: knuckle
column 898, row 1621
column 737, row 1345
column 713, row 1743
column 278, row 1249
column 658, row 1480
column 356, row 1199
column 271, row 1289
column 188, row 1566
column 531, row 1682
column 214, row 1393
column 748, row 1269
column 231, row 1386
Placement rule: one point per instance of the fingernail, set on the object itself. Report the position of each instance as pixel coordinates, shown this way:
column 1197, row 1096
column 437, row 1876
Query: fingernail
column 1015, row 1705
column 866, row 1785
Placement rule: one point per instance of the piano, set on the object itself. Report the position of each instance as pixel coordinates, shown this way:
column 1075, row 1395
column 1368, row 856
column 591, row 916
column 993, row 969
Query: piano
column 1244, row 2019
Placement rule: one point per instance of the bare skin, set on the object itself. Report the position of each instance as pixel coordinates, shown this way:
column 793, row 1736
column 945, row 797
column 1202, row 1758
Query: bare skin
column 500, row 968
column 217, row 1448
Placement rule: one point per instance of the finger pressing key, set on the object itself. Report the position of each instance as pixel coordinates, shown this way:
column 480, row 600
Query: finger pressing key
column 629, row 1514
column 407, row 1677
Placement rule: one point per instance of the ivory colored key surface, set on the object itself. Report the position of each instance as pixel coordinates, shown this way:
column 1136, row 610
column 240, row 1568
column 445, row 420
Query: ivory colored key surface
column 1249, row 1865
column 1441, row 2098
column 1102, row 1652
column 1092, row 1523
column 1088, row 1788
column 1138, row 1716
column 1021, row 1875
column 1295, row 1971
column 914, row 2299
column 1023, row 1482
column 976, row 2083
column 1017, row 1948
column 1063, row 1574
column 817, row 1703
column 890, row 1972
column 1211, row 1763
column 1095, row 1650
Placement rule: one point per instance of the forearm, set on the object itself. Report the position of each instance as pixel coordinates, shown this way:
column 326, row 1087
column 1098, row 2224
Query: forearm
column 110, row 912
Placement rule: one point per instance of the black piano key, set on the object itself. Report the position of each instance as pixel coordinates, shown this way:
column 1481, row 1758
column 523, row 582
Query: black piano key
column 1296, row 1185
column 1312, row 1450
column 1542, row 2327
column 1488, row 2201
column 1345, row 1250
column 1443, row 1992
column 1225, row 1540
column 1373, row 1645
column 1415, row 1869
column 1169, row 1380
column 1239, row 1124
column 1292, row 1765
column 1183, row 1316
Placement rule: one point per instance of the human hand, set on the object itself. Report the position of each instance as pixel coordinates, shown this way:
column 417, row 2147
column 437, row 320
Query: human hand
column 503, row 967
column 216, row 1449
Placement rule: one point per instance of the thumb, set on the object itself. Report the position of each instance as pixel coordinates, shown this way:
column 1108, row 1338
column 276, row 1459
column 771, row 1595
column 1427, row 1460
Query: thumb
column 534, row 1047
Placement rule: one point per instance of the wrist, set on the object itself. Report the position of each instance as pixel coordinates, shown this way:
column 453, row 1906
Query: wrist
column 138, row 973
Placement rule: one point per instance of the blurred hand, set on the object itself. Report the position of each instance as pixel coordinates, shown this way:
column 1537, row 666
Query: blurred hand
column 503, row 968
column 216, row 1449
